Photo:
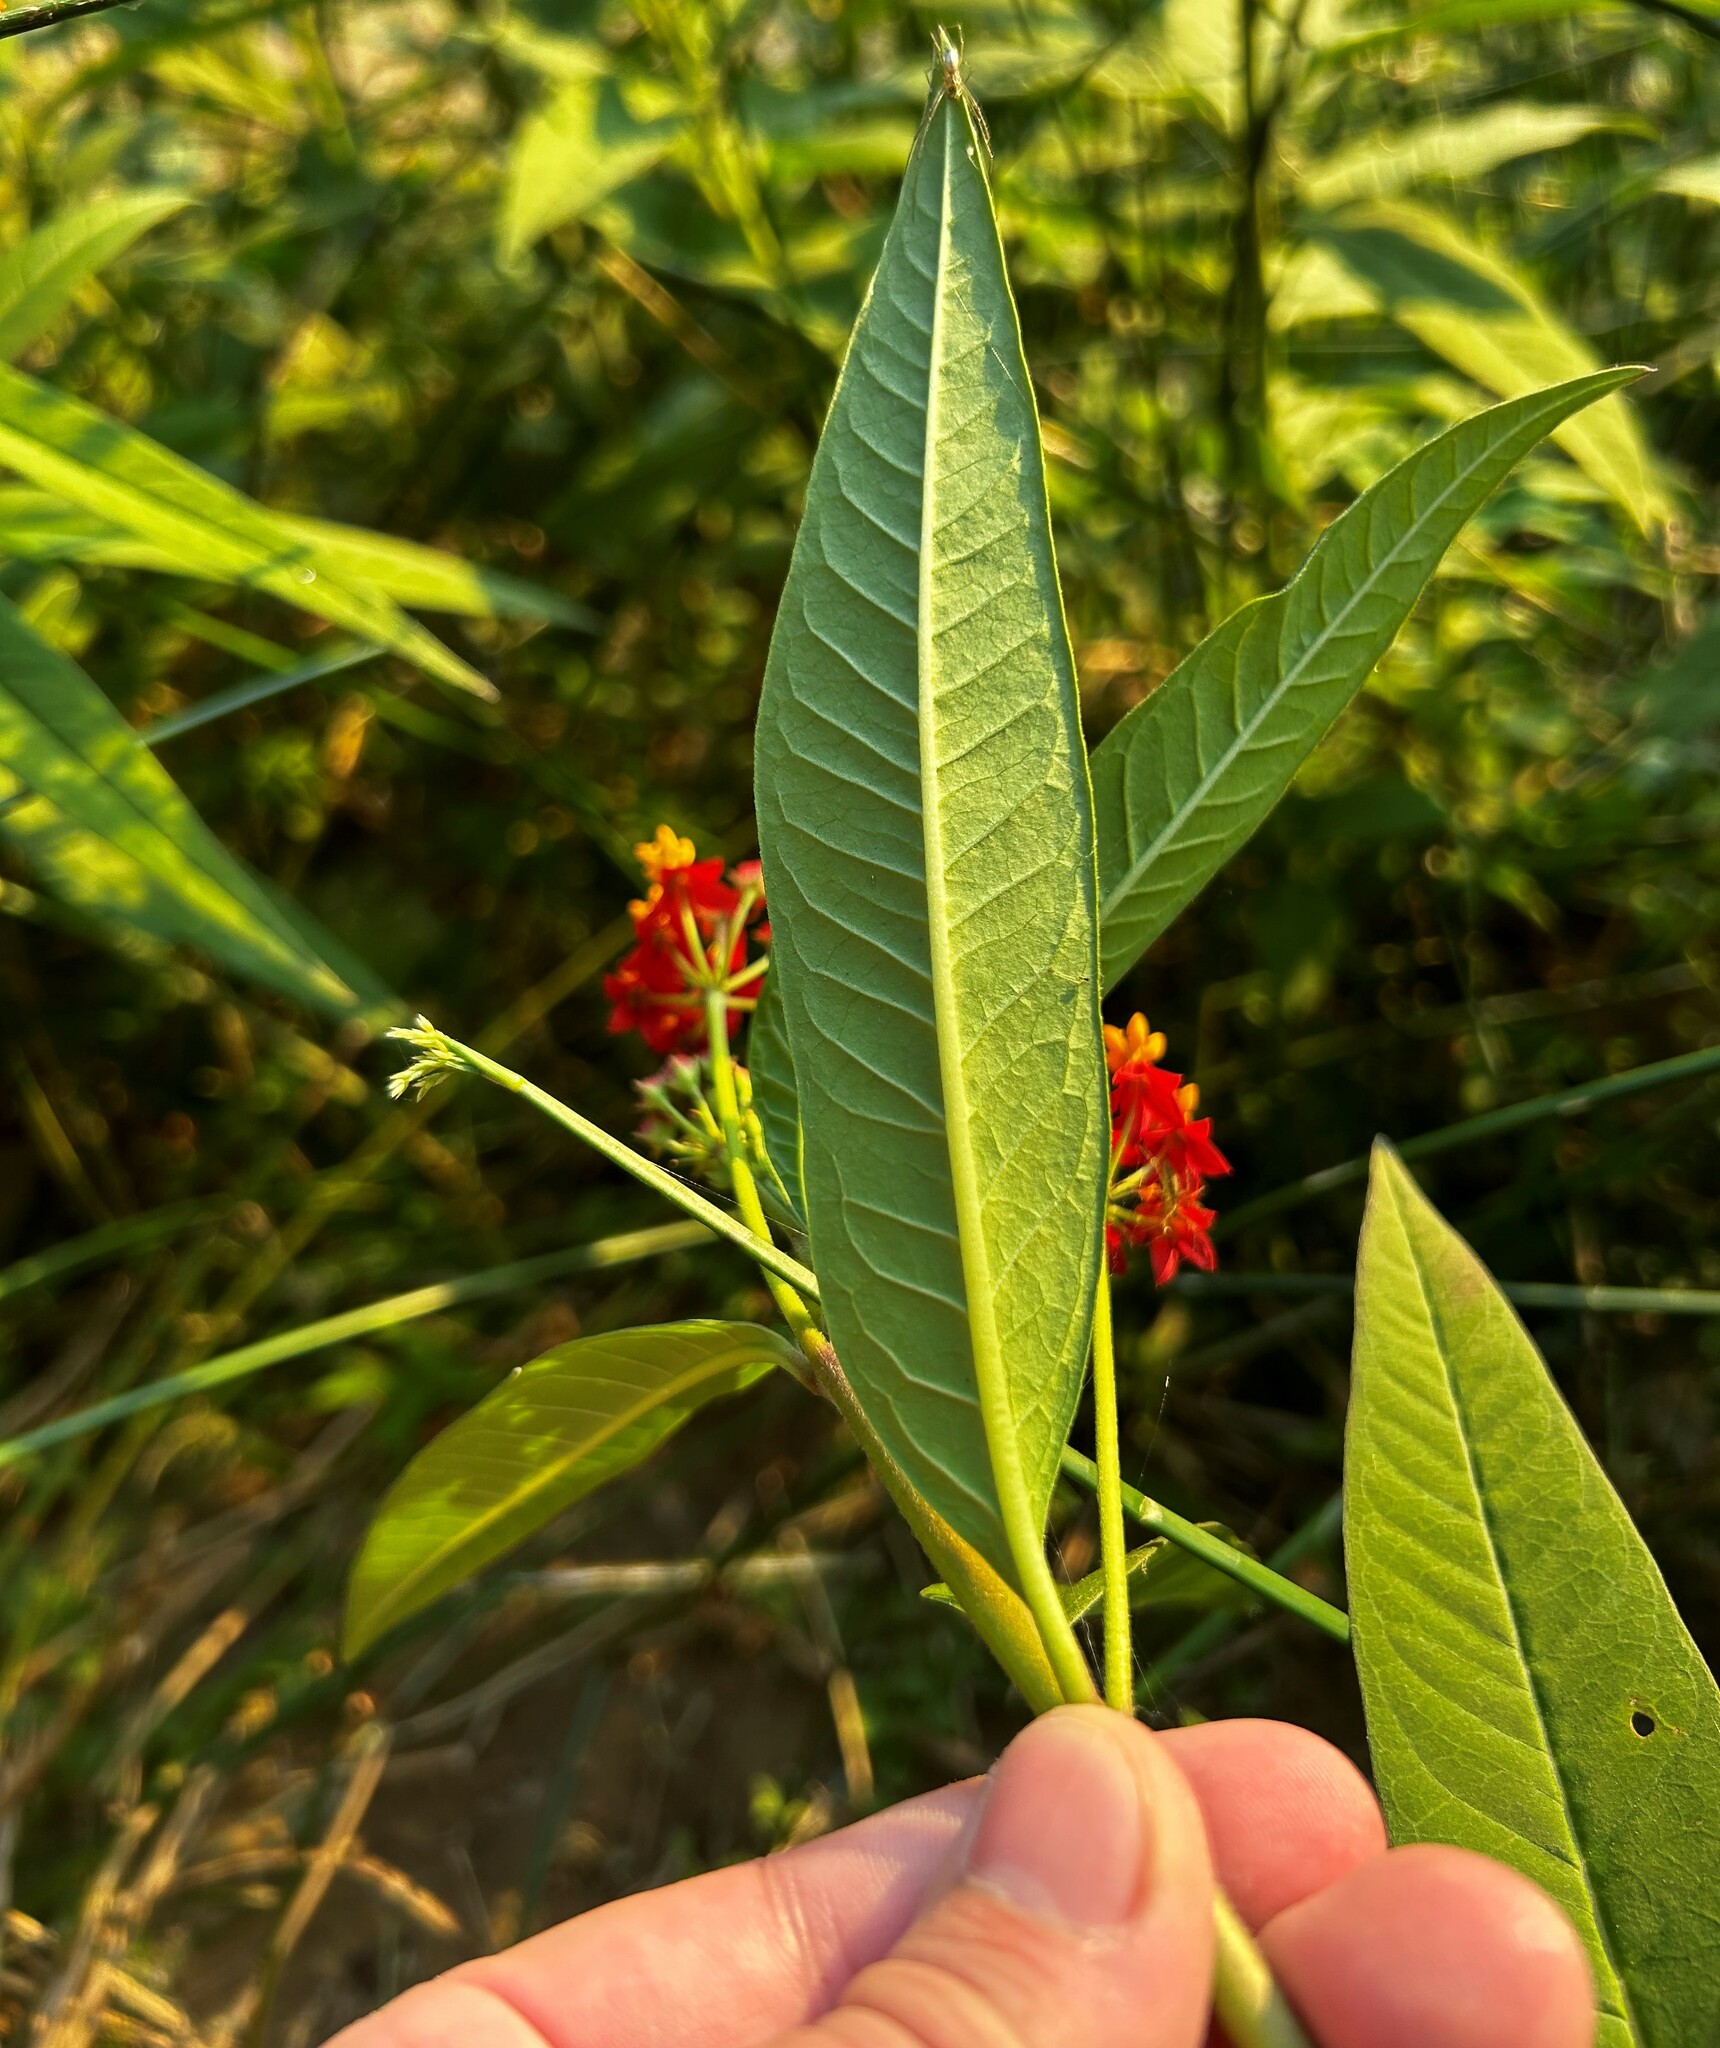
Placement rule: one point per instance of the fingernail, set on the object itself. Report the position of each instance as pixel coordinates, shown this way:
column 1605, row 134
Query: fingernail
column 1064, row 1834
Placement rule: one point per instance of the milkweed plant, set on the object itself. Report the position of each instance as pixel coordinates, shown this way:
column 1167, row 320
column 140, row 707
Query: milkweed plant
column 881, row 1047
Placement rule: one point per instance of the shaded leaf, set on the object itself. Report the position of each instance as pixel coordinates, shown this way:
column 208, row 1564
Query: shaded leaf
column 101, row 820
column 924, row 822
column 547, row 1436
column 1530, row 1689
column 117, row 474
column 771, row 1066
column 41, row 276
column 1187, row 776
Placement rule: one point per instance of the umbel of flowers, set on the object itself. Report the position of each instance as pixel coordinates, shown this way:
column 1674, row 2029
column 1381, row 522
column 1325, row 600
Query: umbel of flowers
column 693, row 932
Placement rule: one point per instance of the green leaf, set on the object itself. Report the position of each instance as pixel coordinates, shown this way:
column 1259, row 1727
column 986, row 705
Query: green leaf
column 1697, row 179
column 1530, row 1689
column 1187, row 776
column 1449, row 146
column 40, row 277
column 110, row 470
column 430, row 578
column 1478, row 314
column 547, row 1436
column 771, row 1066
column 1162, row 1574
column 591, row 135
column 925, row 825
column 94, row 812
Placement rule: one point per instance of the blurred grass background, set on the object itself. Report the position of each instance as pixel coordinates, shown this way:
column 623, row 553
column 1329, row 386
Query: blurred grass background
column 562, row 287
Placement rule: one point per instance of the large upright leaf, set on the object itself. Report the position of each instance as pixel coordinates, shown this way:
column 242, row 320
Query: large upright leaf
column 39, row 278
column 547, row 1436
column 1478, row 313
column 926, row 829
column 109, row 469
column 1187, row 776
column 1530, row 1689
column 97, row 814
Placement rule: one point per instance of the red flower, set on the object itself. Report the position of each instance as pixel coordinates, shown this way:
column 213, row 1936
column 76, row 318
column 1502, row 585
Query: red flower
column 691, row 933
column 1161, row 1158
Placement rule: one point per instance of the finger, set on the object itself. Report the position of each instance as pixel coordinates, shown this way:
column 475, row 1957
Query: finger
column 1286, row 1813
column 1081, row 1918
column 719, row 1961
column 1431, row 1947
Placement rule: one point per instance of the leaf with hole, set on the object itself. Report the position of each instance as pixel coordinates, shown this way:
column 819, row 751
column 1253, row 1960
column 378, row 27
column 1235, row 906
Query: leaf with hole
column 550, row 1434
column 1530, row 1689
column 1188, row 776
column 924, row 819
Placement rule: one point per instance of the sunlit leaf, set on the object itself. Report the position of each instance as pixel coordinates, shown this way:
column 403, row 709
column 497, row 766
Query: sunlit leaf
column 102, row 822
column 922, row 804
column 1530, row 1689
column 41, row 276
column 1477, row 313
column 112, row 471
column 1697, row 179
column 1456, row 146
column 547, row 1436
column 590, row 136
column 1187, row 776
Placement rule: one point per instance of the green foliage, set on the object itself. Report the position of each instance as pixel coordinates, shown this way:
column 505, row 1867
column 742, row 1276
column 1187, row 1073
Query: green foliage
column 1531, row 1690
column 544, row 1439
column 772, row 1069
column 41, row 276
column 1188, row 776
column 924, row 822
column 95, row 814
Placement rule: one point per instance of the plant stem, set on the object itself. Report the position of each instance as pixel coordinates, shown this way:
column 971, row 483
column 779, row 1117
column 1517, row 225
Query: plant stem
column 647, row 1171
column 1252, row 2009
column 1113, row 1548
column 1213, row 1550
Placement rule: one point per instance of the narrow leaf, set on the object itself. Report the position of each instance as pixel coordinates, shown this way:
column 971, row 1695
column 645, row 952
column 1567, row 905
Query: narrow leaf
column 101, row 820
column 40, row 277
column 431, row 579
column 771, row 1066
column 1481, row 316
column 109, row 469
column 547, row 1436
column 1530, row 1689
column 925, row 823
column 1389, row 159
column 1186, row 777
column 591, row 135
column 1162, row 1574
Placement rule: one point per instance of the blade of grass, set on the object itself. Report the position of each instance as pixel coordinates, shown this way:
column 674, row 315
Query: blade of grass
column 254, row 690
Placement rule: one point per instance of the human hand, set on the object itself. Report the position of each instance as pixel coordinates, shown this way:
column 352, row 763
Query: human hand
column 1063, row 1902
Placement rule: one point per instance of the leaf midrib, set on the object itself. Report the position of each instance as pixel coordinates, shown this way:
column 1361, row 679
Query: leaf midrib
column 1287, row 682
column 736, row 1355
column 1602, row 1930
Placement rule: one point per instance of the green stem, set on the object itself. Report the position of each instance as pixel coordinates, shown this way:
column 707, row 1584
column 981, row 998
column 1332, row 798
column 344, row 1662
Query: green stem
column 1568, row 1102
column 1554, row 1294
column 1235, row 1564
column 1113, row 1549
column 646, row 1171
column 1252, row 2009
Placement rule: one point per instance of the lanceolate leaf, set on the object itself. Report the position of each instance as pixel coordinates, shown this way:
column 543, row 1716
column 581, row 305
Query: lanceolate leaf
column 772, row 1069
column 1530, row 1689
column 120, row 475
column 1186, row 777
column 1448, row 146
column 924, row 818
column 547, row 1436
column 39, row 278
column 1160, row 1575
column 101, row 820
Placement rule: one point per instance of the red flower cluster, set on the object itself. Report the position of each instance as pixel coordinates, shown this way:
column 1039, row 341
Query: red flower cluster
column 691, row 934
column 1162, row 1156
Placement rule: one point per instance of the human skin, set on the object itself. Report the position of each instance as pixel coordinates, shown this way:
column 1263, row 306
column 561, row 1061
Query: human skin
column 1064, row 1901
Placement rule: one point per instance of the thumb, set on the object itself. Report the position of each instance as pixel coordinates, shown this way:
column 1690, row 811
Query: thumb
column 1081, row 1916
